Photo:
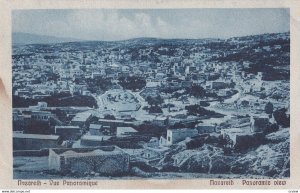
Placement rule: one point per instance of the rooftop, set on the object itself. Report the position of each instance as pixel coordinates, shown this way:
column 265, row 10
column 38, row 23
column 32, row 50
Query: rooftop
column 35, row 136
column 182, row 130
column 96, row 137
column 205, row 125
column 160, row 118
column 67, row 127
column 82, row 152
column 112, row 121
column 161, row 149
column 40, row 112
column 125, row 130
column 82, row 116
column 95, row 126
column 236, row 130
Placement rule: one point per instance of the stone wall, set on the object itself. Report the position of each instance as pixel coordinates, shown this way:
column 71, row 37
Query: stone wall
column 33, row 144
column 108, row 163
column 103, row 164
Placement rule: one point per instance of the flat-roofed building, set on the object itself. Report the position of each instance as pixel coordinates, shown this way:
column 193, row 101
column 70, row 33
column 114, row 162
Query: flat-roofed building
column 96, row 129
column 125, row 131
column 42, row 104
column 81, row 119
column 106, row 160
column 152, row 155
column 114, row 123
column 234, row 133
column 34, row 141
column 205, row 128
column 177, row 135
column 94, row 140
column 160, row 121
column 41, row 115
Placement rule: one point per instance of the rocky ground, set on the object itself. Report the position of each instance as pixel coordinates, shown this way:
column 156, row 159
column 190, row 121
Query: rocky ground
column 269, row 160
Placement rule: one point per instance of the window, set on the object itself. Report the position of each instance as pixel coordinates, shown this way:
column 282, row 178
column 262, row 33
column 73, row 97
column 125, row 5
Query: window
column 169, row 138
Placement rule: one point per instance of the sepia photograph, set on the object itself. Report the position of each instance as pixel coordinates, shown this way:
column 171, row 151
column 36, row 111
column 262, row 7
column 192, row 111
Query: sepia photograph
column 198, row 93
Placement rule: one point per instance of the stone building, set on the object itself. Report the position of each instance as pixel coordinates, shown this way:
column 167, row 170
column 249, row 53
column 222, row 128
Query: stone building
column 125, row 131
column 96, row 129
column 234, row 133
column 81, row 119
column 205, row 128
column 160, row 121
column 113, row 124
column 152, row 155
column 177, row 135
column 94, row 140
column 105, row 160
column 34, row 141
column 41, row 115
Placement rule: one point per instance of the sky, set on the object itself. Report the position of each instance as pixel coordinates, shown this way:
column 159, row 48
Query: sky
column 120, row 24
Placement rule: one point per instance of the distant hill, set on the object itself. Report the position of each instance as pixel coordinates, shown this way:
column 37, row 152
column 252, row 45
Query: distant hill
column 27, row 38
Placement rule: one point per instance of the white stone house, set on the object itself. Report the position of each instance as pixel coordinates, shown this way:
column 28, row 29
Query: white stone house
column 177, row 135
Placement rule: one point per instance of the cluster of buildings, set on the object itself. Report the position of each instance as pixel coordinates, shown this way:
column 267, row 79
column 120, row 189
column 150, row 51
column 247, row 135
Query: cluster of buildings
column 40, row 74
column 85, row 139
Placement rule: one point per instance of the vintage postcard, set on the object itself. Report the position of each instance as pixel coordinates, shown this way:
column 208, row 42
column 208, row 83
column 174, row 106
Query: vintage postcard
column 156, row 94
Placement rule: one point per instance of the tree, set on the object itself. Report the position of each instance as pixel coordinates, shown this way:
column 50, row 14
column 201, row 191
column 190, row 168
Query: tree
column 132, row 82
column 197, row 110
column 196, row 91
column 245, row 103
column 150, row 129
column 271, row 128
column 94, row 84
column 281, row 117
column 155, row 109
column 155, row 101
column 110, row 117
column 269, row 108
column 232, row 84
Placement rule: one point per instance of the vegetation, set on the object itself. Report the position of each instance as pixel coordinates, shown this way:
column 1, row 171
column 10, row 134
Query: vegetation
column 155, row 101
column 264, row 61
column 56, row 101
column 247, row 142
column 281, row 117
column 196, row 91
column 110, row 117
column 150, row 129
column 245, row 103
column 98, row 83
column 271, row 128
column 155, row 109
column 197, row 110
column 269, row 108
column 132, row 82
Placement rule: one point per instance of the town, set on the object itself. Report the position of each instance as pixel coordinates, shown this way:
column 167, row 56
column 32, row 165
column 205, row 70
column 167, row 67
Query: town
column 152, row 108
